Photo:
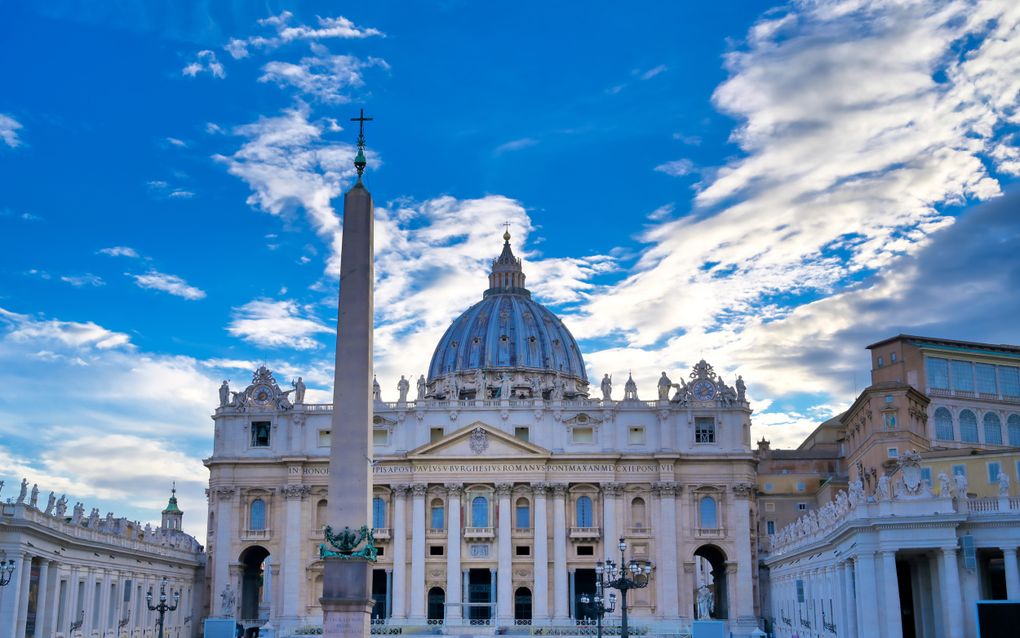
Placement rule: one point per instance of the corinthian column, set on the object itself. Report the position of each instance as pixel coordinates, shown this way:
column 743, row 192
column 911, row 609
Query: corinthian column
column 292, row 565
column 399, row 589
column 741, row 535
column 504, row 575
column 541, row 597
column 666, row 543
column 453, row 575
column 560, row 593
column 610, row 492
column 418, row 551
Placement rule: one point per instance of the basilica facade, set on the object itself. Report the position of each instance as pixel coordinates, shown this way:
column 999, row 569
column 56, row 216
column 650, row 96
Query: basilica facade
column 500, row 482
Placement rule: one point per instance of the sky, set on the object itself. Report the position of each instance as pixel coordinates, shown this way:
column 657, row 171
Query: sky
column 771, row 187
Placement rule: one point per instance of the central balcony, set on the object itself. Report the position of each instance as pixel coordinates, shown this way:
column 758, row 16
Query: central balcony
column 381, row 533
column 256, row 535
column 479, row 533
column 585, row 533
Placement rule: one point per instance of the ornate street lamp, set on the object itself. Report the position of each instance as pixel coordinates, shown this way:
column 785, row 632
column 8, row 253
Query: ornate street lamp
column 6, row 572
column 162, row 607
column 597, row 604
column 624, row 577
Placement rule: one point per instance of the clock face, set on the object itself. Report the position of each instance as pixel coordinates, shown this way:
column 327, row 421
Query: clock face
column 703, row 390
column 262, row 394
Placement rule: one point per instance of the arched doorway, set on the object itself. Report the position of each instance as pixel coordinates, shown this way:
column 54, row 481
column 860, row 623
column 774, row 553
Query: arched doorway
column 710, row 572
column 522, row 604
column 253, row 568
column 436, row 604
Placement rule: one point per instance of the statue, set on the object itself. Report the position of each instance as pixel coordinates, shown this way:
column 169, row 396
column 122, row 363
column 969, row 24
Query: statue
column 1003, row 483
column 961, row 485
column 607, row 388
column 224, row 394
column 228, row 601
column 24, row 490
column 536, row 387
column 705, row 602
column 664, row 385
column 61, row 508
column 94, row 518
column 237, row 399
column 856, row 493
column 480, row 389
column 680, row 396
column 422, row 387
column 34, row 500
column 729, row 397
column 557, row 388
column 403, row 386
column 376, row 390
column 944, row 490
column 452, row 389
column 50, row 503
column 882, row 492
column 630, row 389
column 741, row 389
column 506, row 388
column 79, row 513
column 299, row 391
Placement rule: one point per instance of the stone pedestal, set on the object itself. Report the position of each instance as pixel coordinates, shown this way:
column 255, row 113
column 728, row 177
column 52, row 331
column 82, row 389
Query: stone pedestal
column 346, row 598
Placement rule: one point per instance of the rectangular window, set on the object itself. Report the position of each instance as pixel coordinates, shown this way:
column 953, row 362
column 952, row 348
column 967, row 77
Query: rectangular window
column 1018, row 470
column 380, row 437
column 892, row 357
column 435, row 434
column 583, row 435
column 890, row 420
column 993, row 472
column 435, row 550
column 963, row 375
column 801, row 486
column 523, row 550
column 768, row 487
column 880, row 362
column 324, row 438
column 1009, row 381
column 523, row 516
column 926, row 474
column 984, row 374
column 522, row 433
column 704, row 429
column 770, row 507
column 770, row 527
column 260, row 433
column 636, row 435
column 888, row 398
column 938, row 372
column 960, row 469
column 893, row 453
column 801, row 507
column 380, row 550
column 585, row 550
column 438, row 512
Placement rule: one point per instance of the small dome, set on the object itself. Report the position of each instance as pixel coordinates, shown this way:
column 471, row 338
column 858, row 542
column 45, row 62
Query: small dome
column 508, row 331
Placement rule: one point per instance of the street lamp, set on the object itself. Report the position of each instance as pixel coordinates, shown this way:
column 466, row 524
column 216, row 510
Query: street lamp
column 623, row 577
column 597, row 603
column 6, row 572
column 162, row 607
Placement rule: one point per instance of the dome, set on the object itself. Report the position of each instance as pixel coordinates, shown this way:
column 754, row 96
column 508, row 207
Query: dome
column 508, row 333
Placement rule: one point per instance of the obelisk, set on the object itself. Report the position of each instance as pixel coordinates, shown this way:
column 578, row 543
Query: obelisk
column 346, row 592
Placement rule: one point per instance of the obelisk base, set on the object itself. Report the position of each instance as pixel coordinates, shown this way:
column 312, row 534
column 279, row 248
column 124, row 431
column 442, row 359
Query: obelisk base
column 346, row 599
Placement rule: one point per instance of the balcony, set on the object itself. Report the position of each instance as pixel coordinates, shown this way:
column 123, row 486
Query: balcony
column 381, row 533
column 717, row 532
column 256, row 535
column 585, row 533
column 522, row 532
column 479, row 533
column 436, row 532
column 639, row 532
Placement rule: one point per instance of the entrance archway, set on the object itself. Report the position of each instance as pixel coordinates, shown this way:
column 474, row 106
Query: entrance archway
column 253, row 564
column 436, row 604
column 710, row 571
column 522, row 604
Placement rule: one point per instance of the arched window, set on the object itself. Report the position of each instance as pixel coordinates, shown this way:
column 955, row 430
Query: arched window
column 378, row 513
column 436, row 604
column 1013, row 429
column 438, row 514
column 320, row 514
column 637, row 513
column 707, row 512
column 257, row 515
column 480, row 512
column 943, row 425
column 584, row 514
column 993, row 429
column 968, row 427
column 523, row 514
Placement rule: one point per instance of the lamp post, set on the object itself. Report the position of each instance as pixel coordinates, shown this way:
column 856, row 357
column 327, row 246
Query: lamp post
column 597, row 604
column 624, row 577
column 6, row 572
column 162, row 607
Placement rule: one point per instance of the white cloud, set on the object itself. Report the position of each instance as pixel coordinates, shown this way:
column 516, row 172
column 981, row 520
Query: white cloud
column 172, row 284
column 275, row 324
column 173, row 141
column 205, row 62
column 338, row 27
column 80, row 281
column 651, row 73
column 180, row 193
column 119, row 251
column 515, row 145
column 237, row 48
column 9, row 128
column 322, row 75
column 676, row 168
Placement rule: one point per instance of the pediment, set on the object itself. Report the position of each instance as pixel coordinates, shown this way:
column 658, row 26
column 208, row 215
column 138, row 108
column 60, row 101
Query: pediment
column 478, row 440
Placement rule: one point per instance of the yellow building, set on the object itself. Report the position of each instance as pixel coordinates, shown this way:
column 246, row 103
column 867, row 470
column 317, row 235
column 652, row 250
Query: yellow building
column 981, row 467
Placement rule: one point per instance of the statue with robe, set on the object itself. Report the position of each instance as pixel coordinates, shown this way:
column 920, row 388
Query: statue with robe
column 882, row 491
column 403, row 387
column 299, row 391
column 24, row 490
column 607, row 387
column 506, row 388
column 228, row 601
column 422, row 387
column 224, row 394
column 961, row 485
column 50, row 503
column 705, row 602
column 34, row 500
column 1003, row 483
column 741, row 389
column 664, row 385
column 61, row 508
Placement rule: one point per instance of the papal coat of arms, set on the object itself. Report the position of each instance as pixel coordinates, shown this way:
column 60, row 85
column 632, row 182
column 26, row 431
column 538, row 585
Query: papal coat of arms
column 479, row 441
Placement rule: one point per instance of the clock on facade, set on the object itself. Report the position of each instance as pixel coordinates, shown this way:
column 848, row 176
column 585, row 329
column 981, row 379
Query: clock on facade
column 262, row 394
column 703, row 390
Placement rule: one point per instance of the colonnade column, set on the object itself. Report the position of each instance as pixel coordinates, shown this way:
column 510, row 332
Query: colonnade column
column 293, row 570
column 610, row 491
column 666, row 549
column 890, row 582
column 849, row 597
column 1012, row 574
column 541, row 594
column 504, row 574
column 741, row 532
column 867, row 597
column 399, row 589
column 453, row 575
column 560, row 594
column 11, row 598
column 102, row 623
column 418, row 550
column 952, row 604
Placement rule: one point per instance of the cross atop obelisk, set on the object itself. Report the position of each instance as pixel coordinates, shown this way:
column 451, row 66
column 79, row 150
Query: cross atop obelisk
column 359, row 160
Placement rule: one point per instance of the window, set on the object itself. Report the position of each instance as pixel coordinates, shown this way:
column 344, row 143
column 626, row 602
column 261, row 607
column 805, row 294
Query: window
column 993, row 428
column 770, row 527
column 584, row 513
column 888, row 398
column 704, row 429
column 637, row 512
column 435, row 434
column 260, row 433
column 435, row 550
column 960, row 470
column 523, row 550
column 770, row 507
column 801, row 507
column 636, row 435
column 993, row 472
column 890, row 420
column 523, row 514
column 926, row 475
column 378, row 513
column 801, row 486
column 1013, row 429
column 984, row 374
column 479, row 512
column 585, row 550
column 892, row 357
column 522, row 433
column 963, row 375
column 321, row 514
column 583, row 435
column 324, row 438
column 768, row 487
column 938, row 373
column 881, row 362
column 943, row 425
column 968, row 427
column 438, row 514
column 1009, row 381
column 893, row 453
column 707, row 513
column 380, row 437
column 257, row 515
column 380, row 551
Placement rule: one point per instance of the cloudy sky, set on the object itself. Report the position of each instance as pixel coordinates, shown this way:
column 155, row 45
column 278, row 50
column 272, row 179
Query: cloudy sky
column 769, row 187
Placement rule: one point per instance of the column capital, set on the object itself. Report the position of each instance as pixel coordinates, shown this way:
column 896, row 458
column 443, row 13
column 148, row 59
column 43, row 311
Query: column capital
column 504, row 489
column 743, row 490
column 1009, row 550
column 419, row 489
column 401, row 489
column 295, row 491
column 559, row 490
column 454, row 489
column 666, row 488
column 224, row 493
column 612, row 489
column 540, row 488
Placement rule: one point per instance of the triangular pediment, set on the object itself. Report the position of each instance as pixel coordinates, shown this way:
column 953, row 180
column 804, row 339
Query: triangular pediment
column 478, row 440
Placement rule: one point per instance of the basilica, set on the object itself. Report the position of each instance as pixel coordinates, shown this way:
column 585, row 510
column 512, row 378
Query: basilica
column 500, row 484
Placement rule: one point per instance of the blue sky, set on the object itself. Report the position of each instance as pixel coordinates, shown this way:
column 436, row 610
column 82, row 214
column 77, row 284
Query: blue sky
column 769, row 186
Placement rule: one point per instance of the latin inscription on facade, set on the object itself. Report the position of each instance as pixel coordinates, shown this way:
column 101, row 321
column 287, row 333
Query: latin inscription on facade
column 499, row 468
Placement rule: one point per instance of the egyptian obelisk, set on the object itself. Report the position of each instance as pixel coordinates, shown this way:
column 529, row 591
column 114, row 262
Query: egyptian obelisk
column 346, row 592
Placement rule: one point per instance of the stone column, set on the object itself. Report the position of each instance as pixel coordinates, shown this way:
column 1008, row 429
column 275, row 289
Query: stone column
column 102, row 623
column 849, row 599
column 952, row 604
column 1012, row 574
column 225, row 535
column 418, row 551
column 667, row 551
column 891, row 599
column 867, row 596
column 11, row 597
column 388, row 613
column 292, row 564
column 89, row 605
column 740, row 532
column 541, row 593
column 453, row 575
column 560, row 603
column 504, row 575
column 400, row 550
column 610, row 492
